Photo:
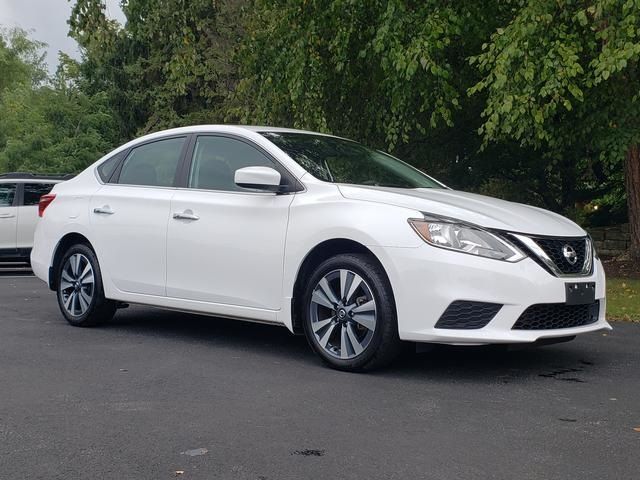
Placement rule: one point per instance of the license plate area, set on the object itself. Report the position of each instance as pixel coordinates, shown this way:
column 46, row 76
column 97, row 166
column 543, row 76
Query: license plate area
column 580, row 293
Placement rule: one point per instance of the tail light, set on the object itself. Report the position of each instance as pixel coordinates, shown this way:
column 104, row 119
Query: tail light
column 45, row 201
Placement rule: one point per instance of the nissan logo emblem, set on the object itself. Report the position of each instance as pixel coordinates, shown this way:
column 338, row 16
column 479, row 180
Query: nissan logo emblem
column 570, row 254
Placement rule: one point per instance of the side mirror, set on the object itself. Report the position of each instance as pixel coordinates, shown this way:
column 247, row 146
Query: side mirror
column 258, row 178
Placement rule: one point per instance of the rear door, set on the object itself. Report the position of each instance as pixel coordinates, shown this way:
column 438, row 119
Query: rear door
column 28, row 212
column 8, row 217
column 129, row 216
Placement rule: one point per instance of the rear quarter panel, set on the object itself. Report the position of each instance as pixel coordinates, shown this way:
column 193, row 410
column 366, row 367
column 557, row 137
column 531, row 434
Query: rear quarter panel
column 68, row 213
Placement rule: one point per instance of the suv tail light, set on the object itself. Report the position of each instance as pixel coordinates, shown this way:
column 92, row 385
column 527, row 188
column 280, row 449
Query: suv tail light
column 45, row 201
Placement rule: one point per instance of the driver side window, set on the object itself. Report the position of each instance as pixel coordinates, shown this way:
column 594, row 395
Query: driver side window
column 216, row 159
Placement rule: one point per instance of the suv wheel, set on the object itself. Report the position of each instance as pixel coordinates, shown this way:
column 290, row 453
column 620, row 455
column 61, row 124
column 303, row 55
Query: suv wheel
column 80, row 293
column 349, row 314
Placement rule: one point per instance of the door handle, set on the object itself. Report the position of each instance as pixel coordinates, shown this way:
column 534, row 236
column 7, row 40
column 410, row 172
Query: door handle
column 106, row 210
column 186, row 215
column 6, row 215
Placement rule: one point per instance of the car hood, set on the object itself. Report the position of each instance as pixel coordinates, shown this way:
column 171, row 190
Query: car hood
column 480, row 210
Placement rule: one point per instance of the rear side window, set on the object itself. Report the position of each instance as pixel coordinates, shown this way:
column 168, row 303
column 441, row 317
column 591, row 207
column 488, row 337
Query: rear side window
column 106, row 168
column 7, row 194
column 33, row 192
column 153, row 164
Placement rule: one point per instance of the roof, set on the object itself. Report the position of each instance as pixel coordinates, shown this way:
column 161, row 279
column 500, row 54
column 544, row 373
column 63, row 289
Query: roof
column 35, row 176
column 215, row 129
column 264, row 128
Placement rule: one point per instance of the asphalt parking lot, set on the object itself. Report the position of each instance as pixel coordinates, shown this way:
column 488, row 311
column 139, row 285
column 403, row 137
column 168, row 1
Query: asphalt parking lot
column 156, row 393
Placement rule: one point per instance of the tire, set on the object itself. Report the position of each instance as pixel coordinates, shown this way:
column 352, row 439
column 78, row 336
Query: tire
column 79, row 289
column 354, row 327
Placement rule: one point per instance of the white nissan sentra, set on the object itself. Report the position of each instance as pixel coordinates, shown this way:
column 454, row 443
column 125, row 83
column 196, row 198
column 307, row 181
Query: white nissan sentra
column 348, row 245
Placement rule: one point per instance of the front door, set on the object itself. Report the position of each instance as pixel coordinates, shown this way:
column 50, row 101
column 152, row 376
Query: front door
column 226, row 245
column 129, row 217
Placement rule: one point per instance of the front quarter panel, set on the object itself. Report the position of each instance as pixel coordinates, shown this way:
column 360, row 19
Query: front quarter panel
column 322, row 213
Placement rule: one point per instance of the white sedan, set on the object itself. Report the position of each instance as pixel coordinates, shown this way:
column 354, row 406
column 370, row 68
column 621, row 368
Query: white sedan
column 348, row 245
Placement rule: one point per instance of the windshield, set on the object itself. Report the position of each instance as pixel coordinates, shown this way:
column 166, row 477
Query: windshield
column 344, row 161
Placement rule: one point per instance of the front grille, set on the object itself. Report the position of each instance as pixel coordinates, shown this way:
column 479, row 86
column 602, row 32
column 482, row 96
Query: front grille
column 464, row 315
column 520, row 244
column 549, row 316
column 554, row 250
column 548, row 252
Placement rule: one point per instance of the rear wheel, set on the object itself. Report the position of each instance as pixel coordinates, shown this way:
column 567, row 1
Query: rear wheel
column 80, row 292
column 350, row 318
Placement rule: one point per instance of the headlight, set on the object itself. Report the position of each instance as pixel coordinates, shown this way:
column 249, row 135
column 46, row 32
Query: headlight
column 461, row 237
column 593, row 248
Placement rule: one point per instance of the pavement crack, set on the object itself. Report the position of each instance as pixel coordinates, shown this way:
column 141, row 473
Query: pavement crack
column 307, row 452
column 559, row 372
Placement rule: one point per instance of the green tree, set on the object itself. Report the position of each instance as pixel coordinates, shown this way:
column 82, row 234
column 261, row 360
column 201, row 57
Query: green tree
column 380, row 71
column 21, row 59
column 562, row 77
column 394, row 74
column 167, row 66
column 47, row 125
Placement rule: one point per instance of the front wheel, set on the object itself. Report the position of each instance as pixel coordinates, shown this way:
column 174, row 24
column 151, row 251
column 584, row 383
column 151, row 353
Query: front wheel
column 349, row 314
column 80, row 292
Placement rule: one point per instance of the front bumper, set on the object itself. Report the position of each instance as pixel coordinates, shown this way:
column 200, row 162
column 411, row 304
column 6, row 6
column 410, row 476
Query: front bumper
column 426, row 280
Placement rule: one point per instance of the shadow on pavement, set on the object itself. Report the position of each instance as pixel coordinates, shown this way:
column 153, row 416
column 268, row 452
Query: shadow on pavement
column 567, row 362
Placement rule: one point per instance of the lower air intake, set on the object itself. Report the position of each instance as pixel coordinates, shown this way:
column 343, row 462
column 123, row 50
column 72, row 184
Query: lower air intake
column 464, row 315
column 549, row 316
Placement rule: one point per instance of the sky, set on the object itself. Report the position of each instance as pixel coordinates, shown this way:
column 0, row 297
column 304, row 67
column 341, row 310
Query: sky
column 46, row 20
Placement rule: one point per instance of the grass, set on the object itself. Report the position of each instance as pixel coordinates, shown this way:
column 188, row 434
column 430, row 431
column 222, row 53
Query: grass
column 623, row 299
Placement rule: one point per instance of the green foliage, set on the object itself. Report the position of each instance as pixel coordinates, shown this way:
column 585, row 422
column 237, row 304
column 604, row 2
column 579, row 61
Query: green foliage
column 563, row 76
column 21, row 59
column 392, row 74
column 381, row 71
column 532, row 100
column 53, row 131
column 168, row 66
column 396, row 75
column 47, row 126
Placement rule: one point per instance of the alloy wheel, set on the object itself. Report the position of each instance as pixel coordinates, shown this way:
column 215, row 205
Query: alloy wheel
column 343, row 314
column 77, row 285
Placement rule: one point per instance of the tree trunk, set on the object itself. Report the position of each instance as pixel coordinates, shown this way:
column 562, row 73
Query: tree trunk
column 632, row 186
column 568, row 182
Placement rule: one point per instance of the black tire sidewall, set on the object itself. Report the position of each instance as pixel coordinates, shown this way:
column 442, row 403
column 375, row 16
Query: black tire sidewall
column 386, row 323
